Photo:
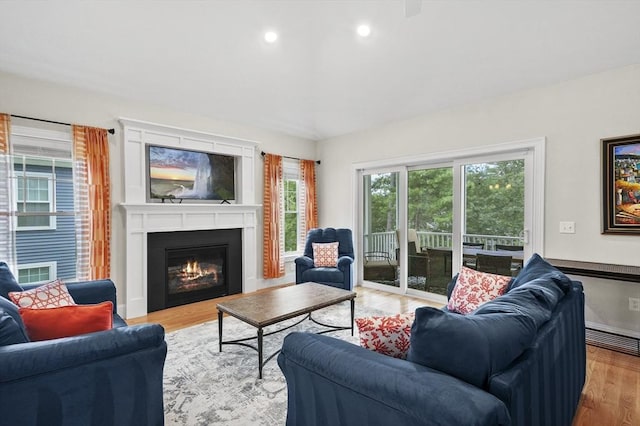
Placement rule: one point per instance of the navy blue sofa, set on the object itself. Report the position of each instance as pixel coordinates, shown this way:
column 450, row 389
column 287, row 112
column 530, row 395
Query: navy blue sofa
column 110, row 377
column 517, row 360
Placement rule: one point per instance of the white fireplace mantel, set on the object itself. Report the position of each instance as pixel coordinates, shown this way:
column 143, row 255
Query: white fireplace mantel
column 143, row 218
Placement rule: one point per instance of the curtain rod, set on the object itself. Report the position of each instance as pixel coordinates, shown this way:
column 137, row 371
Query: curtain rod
column 284, row 156
column 111, row 131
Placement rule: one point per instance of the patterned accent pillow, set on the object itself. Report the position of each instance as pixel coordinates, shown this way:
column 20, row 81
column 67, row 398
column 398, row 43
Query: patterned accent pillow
column 473, row 288
column 325, row 254
column 388, row 335
column 50, row 295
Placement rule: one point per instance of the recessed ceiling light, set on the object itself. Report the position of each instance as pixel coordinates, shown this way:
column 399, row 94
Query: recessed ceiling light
column 270, row 36
column 364, row 30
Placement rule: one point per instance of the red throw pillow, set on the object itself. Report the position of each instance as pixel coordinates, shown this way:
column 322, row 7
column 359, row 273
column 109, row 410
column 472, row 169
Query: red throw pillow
column 388, row 335
column 66, row 321
column 473, row 288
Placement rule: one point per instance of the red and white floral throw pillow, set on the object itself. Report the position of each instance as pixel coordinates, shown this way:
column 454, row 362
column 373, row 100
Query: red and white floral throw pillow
column 473, row 288
column 50, row 295
column 388, row 335
column 325, row 254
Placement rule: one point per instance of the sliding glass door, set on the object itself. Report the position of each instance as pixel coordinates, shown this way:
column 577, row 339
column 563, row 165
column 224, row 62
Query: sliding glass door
column 420, row 223
column 379, row 254
column 429, row 228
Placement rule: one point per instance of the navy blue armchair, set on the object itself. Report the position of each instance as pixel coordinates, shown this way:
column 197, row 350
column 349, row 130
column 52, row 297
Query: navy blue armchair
column 111, row 377
column 340, row 276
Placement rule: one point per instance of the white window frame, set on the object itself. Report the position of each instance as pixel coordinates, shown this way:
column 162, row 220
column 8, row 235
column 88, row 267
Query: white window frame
column 38, row 143
column 291, row 171
column 534, row 194
column 50, row 188
column 53, row 270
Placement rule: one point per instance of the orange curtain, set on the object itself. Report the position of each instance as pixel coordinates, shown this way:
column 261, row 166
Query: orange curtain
column 273, row 246
column 308, row 176
column 91, row 149
column 4, row 133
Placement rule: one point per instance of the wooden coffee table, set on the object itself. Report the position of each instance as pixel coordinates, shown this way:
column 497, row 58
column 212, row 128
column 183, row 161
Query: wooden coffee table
column 263, row 309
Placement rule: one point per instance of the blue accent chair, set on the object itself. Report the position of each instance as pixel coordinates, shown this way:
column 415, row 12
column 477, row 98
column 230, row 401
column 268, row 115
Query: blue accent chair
column 111, row 377
column 340, row 276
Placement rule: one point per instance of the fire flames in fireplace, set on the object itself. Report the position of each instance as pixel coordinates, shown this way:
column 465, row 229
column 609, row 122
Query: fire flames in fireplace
column 192, row 271
column 190, row 266
column 193, row 275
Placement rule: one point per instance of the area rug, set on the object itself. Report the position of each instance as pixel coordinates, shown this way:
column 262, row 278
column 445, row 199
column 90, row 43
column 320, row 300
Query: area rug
column 203, row 386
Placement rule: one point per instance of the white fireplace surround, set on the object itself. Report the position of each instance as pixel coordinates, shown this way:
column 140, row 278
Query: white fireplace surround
column 143, row 217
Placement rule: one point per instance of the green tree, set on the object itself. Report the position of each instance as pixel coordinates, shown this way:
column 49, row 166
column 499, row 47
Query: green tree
column 430, row 200
column 383, row 202
column 290, row 215
column 495, row 198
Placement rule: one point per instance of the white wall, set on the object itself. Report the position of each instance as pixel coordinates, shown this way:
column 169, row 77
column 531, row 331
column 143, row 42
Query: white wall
column 33, row 98
column 573, row 116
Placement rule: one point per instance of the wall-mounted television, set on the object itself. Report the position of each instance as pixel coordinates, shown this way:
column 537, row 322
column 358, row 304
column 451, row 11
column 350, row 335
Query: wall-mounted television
column 180, row 174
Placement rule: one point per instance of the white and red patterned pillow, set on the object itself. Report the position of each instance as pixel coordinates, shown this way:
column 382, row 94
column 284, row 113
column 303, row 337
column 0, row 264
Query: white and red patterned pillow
column 50, row 295
column 325, row 254
column 473, row 288
column 388, row 335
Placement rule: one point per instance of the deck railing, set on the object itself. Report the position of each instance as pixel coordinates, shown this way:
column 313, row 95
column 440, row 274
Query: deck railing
column 387, row 242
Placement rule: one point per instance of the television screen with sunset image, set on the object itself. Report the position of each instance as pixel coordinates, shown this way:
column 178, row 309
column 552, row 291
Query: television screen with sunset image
column 190, row 175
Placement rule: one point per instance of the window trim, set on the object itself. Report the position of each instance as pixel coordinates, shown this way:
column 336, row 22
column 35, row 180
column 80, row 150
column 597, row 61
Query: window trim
column 51, row 202
column 291, row 171
column 50, row 145
column 535, row 169
column 53, row 270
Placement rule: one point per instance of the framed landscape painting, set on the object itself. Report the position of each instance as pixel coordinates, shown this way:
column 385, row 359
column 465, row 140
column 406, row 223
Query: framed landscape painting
column 621, row 185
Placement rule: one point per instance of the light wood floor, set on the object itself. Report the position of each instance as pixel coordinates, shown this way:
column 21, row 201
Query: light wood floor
column 611, row 395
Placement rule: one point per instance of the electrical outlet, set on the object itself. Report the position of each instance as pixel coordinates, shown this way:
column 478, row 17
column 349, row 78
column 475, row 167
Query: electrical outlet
column 567, row 227
column 634, row 304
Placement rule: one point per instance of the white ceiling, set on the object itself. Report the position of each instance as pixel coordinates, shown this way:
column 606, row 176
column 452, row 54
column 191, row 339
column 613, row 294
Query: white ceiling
column 319, row 79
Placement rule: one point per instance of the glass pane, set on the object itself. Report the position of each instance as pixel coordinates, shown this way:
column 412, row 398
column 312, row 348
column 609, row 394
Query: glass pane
column 23, row 276
column 430, row 218
column 380, row 224
column 32, row 194
column 494, row 215
column 290, row 232
column 291, row 195
column 33, row 207
column 290, row 215
column 33, row 275
column 39, row 221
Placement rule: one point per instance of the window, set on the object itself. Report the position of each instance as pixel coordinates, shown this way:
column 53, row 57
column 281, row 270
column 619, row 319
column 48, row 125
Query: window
column 449, row 208
column 290, row 215
column 34, row 197
column 291, row 218
column 37, row 272
column 41, row 203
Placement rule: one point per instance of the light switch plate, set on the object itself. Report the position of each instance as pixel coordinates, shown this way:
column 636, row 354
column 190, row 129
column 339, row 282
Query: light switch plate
column 567, row 227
